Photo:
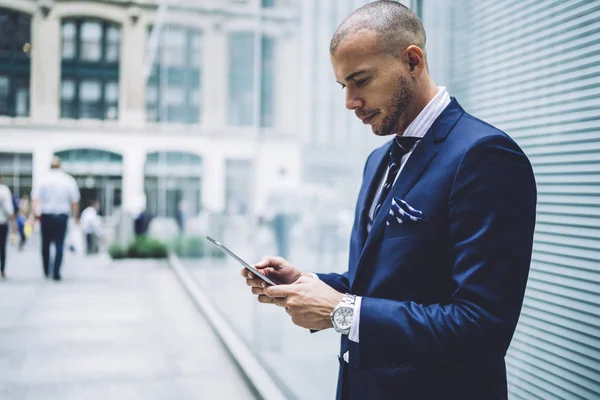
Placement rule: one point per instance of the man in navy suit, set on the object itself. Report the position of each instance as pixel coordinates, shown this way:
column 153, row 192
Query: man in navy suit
column 443, row 231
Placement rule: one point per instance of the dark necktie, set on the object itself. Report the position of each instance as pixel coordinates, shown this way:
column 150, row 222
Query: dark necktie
column 400, row 147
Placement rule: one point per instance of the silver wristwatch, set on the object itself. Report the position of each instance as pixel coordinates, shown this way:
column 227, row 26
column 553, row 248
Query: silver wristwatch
column 343, row 314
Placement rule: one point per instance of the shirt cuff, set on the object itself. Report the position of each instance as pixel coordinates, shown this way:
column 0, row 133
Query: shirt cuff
column 314, row 275
column 353, row 335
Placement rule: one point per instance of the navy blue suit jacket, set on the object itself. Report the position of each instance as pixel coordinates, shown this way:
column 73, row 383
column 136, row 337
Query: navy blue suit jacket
column 441, row 296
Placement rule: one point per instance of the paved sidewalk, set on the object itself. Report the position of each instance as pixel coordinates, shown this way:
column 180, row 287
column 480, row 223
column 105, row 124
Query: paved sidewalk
column 124, row 330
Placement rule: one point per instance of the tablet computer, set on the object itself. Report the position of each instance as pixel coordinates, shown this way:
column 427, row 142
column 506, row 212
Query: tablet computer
column 242, row 262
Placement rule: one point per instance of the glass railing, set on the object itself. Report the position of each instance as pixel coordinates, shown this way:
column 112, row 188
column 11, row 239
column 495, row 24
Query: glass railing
column 304, row 364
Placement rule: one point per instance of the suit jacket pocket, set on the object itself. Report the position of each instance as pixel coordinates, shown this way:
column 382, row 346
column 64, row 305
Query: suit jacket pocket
column 395, row 229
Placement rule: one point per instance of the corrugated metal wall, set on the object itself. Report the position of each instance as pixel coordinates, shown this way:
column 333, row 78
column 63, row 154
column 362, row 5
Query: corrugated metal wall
column 532, row 68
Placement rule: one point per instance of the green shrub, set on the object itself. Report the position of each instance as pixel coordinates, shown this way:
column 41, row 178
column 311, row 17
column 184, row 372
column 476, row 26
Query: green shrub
column 117, row 252
column 141, row 247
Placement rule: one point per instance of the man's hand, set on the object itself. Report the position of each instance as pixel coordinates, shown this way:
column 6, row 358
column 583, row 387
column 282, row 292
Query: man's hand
column 309, row 301
column 277, row 269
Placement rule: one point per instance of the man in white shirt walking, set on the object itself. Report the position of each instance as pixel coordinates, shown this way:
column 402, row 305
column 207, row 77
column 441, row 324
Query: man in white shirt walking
column 6, row 214
column 283, row 210
column 55, row 196
column 91, row 226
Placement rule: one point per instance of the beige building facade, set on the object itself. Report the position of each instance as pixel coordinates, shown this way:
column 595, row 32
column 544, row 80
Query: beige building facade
column 185, row 100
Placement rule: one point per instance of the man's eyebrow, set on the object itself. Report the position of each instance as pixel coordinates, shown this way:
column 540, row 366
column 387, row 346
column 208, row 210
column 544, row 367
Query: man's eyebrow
column 355, row 74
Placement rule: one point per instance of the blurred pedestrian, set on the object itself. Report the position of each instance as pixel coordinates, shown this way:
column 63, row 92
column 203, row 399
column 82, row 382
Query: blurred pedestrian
column 23, row 225
column 7, row 214
column 91, row 226
column 282, row 206
column 181, row 216
column 142, row 223
column 55, row 196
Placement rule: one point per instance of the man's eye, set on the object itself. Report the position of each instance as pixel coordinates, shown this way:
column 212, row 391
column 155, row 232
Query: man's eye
column 362, row 82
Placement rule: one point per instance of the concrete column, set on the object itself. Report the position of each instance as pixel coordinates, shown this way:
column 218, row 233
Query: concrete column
column 133, row 180
column 213, row 182
column 45, row 68
column 214, row 80
column 132, row 102
column 287, row 66
column 42, row 156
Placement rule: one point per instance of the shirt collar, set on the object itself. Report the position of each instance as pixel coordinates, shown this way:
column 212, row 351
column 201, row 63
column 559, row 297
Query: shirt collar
column 421, row 124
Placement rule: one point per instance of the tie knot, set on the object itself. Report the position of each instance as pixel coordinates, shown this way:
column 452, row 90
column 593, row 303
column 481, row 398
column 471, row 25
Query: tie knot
column 400, row 147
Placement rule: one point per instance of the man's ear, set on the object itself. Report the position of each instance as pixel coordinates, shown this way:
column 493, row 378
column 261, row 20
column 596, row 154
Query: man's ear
column 415, row 58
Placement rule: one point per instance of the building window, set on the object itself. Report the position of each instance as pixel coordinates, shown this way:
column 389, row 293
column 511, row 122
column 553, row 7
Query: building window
column 15, row 43
column 173, row 91
column 90, row 69
column 16, row 170
column 268, row 3
column 241, row 78
column 173, row 182
column 267, row 82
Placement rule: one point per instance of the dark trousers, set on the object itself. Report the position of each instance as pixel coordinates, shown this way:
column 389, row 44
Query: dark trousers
column 3, row 237
column 54, row 229
column 91, row 243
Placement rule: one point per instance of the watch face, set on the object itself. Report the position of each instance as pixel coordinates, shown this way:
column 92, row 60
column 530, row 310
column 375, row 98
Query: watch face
column 343, row 317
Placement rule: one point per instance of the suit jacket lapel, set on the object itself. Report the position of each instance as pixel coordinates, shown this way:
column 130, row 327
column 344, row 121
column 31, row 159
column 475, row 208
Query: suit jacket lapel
column 417, row 163
column 372, row 178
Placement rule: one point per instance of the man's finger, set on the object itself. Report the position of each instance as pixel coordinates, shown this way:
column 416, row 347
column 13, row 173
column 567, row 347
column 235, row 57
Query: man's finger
column 279, row 290
column 269, row 261
column 265, row 299
column 254, row 282
column 279, row 301
column 258, row 290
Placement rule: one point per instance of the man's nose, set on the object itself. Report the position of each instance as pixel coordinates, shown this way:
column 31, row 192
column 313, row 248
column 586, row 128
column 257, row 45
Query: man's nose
column 352, row 101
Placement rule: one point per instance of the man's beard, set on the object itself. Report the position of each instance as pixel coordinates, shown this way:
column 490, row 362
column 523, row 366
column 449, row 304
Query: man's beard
column 402, row 98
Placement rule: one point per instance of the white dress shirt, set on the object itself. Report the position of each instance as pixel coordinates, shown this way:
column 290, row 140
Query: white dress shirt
column 417, row 128
column 90, row 222
column 6, row 204
column 56, row 192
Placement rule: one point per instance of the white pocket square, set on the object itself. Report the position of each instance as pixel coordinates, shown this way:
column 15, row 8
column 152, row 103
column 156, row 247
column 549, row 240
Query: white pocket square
column 402, row 212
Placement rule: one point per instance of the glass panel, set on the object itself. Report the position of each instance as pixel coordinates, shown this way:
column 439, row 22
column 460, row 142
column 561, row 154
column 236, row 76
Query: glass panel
column 67, row 90
column 4, row 89
column 175, row 96
column 89, row 91
column 113, row 41
column 89, row 95
column 112, row 92
column 68, row 30
column 241, row 78
column 67, row 109
column 22, row 102
column 22, row 35
column 7, row 26
column 267, row 90
column 112, row 112
column 112, row 52
column 91, row 41
column 173, row 47
column 196, row 56
column 68, row 40
column 151, row 94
